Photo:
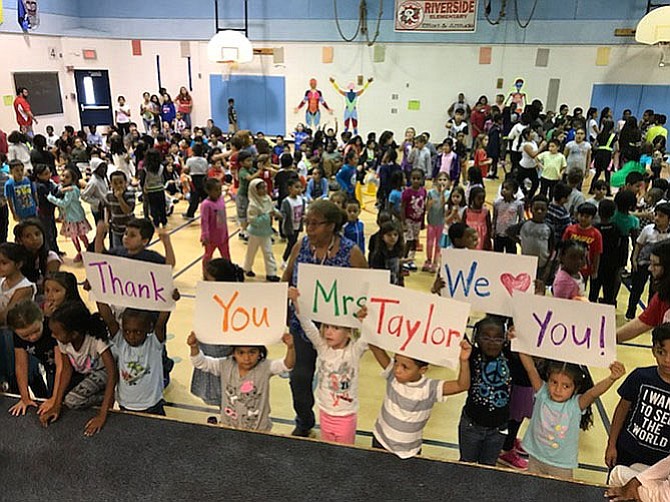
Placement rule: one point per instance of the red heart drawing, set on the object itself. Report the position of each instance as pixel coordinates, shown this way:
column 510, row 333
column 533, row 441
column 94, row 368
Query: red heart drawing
column 521, row 282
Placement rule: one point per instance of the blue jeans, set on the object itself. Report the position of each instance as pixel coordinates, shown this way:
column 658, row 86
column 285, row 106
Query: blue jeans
column 479, row 444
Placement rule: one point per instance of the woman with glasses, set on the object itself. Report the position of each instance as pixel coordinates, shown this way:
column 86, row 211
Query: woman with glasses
column 323, row 245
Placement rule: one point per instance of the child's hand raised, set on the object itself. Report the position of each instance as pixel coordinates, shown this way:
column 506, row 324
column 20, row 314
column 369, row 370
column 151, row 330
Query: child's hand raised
column 617, row 370
column 438, row 285
column 362, row 313
column 287, row 338
column 466, row 350
column 176, row 295
column 163, row 234
column 293, row 295
column 192, row 341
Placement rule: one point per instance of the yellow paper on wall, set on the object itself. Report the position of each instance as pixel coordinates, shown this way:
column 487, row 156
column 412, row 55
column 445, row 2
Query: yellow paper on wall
column 8, row 100
column 327, row 55
column 414, row 104
column 603, row 56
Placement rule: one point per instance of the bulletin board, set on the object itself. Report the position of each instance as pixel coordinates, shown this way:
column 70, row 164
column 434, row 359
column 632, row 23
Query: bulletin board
column 44, row 91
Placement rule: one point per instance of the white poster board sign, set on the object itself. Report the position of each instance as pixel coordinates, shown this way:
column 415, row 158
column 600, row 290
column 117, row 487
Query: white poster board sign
column 129, row 283
column 334, row 294
column 237, row 313
column 485, row 279
column 417, row 325
column 565, row 330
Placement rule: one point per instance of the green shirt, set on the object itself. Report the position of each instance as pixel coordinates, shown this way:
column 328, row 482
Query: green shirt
column 552, row 163
column 244, row 176
column 625, row 222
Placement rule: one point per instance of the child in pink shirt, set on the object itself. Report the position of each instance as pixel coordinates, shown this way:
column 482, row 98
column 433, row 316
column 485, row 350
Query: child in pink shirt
column 213, row 222
column 569, row 283
column 478, row 217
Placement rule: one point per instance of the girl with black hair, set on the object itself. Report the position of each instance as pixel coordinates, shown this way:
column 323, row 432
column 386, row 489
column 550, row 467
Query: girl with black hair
column 39, row 259
column 89, row 372
column 562, row 406
column 389, row 251
column 204, row 385
column 245, row 381
column 483, row 423
column 568, row 282
column 153, row 187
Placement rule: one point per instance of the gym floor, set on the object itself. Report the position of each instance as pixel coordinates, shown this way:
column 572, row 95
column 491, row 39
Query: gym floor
column 440, row 435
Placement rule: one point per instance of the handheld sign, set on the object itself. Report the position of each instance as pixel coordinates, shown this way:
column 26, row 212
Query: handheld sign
column 334, row 294
column 235, row 313
column 565, row 330
column 129, row 283
column 414, row 324
column 486, row 280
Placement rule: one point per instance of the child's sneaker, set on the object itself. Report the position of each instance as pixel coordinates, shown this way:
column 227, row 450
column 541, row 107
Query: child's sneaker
column 433, row 268
column 512, row 459
column 426, row 266
column 411, row 266
column 518, row 447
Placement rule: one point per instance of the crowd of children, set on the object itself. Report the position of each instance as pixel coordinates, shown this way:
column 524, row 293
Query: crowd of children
column 540, row 210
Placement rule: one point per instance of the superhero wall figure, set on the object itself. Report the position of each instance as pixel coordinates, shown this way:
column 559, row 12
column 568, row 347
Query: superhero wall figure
column 350, row 103
column 517, row 98
column 313, row 98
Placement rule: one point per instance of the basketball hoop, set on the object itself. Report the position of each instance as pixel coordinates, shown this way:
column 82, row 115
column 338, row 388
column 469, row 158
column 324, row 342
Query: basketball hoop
column 230, row 46
column 654, row 29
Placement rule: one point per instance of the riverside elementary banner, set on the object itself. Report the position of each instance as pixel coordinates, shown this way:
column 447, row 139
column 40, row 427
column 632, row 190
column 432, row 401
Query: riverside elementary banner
column 426, row 15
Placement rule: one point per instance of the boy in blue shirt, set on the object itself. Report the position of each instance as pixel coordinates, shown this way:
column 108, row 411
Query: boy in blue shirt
column 354, row 229
column 345, row 176
column 20, row 193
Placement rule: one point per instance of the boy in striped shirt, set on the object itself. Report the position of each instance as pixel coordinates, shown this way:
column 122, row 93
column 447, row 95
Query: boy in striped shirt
column 409, row 399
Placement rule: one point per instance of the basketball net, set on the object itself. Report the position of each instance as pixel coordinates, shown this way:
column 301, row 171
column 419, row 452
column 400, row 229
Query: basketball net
column 227, row 70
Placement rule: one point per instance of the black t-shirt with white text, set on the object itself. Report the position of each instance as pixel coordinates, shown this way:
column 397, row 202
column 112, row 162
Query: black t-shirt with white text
column 645, row 436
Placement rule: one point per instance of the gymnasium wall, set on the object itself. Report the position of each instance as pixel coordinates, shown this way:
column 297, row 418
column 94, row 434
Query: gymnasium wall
column 554, row 21
column 431, row 73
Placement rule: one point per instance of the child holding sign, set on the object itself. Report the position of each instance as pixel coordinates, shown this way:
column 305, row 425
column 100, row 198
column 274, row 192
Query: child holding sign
column 410, row 397
column 245, row 381
column 138, row 346
column 640, row 432
column 562, row 406
column 338, row 361
column 483, row 426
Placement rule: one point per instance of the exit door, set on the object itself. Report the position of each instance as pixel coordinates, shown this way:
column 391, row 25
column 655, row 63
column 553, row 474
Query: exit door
column 93, row 97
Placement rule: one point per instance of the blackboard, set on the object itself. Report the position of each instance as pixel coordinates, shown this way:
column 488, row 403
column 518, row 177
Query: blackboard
column 43, row 91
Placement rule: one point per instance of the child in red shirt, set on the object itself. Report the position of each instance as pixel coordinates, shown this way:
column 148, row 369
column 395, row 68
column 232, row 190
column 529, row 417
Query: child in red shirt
column 585, row 232
column 481, row 158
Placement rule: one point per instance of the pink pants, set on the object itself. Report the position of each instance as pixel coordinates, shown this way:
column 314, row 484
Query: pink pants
column 211, row 247
column 433, row 236
column 338, row 429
